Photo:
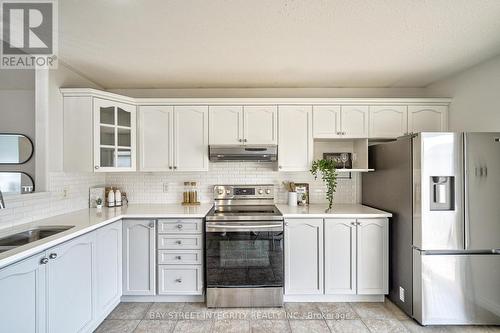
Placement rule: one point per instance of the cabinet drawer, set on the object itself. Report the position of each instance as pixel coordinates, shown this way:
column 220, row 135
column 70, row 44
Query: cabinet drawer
column 180, row 226
column 180, row 280
column 179, row 242
column 179, row 257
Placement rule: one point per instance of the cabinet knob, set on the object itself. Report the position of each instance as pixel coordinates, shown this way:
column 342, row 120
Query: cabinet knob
column 178, row 257
column 343, row 133
column 151, row 225
column 353, row 223
column 240, row 140
column 178, row 242
column 179, row 226
column 170, row 167
column 286, row 224
column 175, row 168
column 44, row 261
column 178, row 280
column 96, row 167
column 245, row 140
column 280, row 167
column 53, row 255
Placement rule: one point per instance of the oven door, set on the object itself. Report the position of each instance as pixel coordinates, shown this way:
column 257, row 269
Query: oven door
column 244, row 254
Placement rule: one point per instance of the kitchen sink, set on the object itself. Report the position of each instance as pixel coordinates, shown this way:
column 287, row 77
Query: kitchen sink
column 25, row 237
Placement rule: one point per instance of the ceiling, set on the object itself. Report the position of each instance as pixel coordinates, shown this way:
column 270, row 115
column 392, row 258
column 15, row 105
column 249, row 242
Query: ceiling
column 275, row 43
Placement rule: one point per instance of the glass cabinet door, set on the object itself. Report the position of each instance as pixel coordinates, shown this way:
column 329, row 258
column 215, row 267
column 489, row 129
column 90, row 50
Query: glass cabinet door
column 115, row 136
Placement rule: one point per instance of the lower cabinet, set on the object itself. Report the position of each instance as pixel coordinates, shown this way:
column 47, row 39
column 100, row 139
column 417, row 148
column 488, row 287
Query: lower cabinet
column 69, row 285
column 139, row 257
column 108, row 265
column 336, row 256
column 373, row 253
column 180, row 280
column 304, row 257
column 340, row 256
column 23, row 296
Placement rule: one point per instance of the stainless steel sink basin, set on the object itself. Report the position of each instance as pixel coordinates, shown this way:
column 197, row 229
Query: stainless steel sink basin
column 22, row 238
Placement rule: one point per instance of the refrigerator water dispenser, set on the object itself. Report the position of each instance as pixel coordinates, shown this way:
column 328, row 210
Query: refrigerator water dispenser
column 442, row 193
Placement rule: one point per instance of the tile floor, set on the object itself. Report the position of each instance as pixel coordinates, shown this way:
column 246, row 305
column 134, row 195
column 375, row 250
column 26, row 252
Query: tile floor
column 293, row 318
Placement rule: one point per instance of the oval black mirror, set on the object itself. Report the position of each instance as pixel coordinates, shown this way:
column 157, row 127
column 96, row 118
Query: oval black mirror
column 15, row 148
column 16, row 182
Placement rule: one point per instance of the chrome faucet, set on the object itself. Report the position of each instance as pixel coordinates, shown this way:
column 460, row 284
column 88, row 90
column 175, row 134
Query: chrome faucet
column 2, row 203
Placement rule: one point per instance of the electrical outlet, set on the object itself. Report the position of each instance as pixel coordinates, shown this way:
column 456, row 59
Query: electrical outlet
column 165, row 187
column 401, row 294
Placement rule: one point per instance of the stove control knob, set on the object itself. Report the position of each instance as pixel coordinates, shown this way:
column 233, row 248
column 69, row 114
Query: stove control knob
column 228, row 192
column 268, row 191
column 260, row 191
column 220, row 191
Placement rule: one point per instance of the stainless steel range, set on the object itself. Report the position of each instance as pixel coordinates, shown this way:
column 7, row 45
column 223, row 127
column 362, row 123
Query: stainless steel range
column 244, row 248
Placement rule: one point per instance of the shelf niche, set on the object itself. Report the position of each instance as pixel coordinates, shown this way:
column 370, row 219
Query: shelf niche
column 357, row 147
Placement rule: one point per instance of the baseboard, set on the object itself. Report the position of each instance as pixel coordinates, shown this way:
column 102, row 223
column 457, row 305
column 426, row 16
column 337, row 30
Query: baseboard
column 163, row 298
column 333, row 298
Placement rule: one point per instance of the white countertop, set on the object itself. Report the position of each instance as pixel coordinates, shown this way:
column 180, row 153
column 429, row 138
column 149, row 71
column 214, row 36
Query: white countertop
column 338, row 211
column 87, row 220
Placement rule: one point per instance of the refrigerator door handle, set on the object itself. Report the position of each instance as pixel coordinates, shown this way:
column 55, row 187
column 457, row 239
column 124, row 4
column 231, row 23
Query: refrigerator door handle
column 466, row 195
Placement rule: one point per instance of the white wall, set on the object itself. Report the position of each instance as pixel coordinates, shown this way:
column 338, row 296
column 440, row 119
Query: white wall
column 476, row 97
column 273, row 92
column 17, row 110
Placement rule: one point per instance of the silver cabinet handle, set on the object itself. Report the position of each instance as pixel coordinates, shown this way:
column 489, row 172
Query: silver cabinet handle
column 151, row 225
column 96, row 167
column 179, row 226
column 53, row 255
column 178, row 242
column 178, row 257
column 179, row 280
column 44, row 261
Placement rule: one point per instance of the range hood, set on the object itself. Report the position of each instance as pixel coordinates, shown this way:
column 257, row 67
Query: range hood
column 261, row 153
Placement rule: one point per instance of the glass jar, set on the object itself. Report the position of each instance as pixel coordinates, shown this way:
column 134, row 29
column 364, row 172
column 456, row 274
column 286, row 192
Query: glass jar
column 185, row 194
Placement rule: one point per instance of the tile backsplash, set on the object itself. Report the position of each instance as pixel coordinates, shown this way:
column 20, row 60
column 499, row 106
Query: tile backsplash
column 70, row 191
column 67, row 192
column 148, row 187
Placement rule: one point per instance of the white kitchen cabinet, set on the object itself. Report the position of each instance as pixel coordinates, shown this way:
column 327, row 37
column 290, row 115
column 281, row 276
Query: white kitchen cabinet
column 190, row 138
column 304, row 256
column 99, row 134
column 70, row 276
column 156, row 138
column 295, row 138
column 180, row 280
column 388, row 121
column 427, row 118
column 326, row 122
column 139, row 257
column 173, row 138
column 226, row 125
column 23, row 296
column 354, row 120
column 260, row 125
column 344, row 122
column 108, row 267
column 252, row 124
column 340, row 256
column 114, row 136
column 372, row 256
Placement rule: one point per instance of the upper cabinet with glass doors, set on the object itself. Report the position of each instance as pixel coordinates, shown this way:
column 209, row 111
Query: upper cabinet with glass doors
column 114, row 136
column 99, row 132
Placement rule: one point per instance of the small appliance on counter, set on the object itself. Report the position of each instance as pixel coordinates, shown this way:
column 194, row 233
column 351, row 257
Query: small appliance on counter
column 244, row 248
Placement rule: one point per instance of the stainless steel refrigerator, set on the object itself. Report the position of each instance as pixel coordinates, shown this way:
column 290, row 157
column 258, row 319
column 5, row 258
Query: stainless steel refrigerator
column 444, row 192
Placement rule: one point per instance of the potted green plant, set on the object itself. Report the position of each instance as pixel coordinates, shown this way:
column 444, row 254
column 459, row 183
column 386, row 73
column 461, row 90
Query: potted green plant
column 328, row 171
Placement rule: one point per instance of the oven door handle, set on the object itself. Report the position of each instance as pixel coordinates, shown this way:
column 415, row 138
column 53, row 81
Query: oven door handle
column 243, row 227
